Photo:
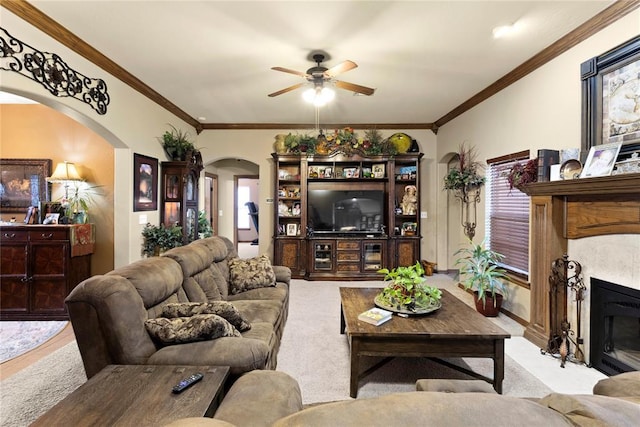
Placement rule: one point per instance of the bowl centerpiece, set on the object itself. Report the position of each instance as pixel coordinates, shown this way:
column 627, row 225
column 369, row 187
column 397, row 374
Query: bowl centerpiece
column 407, row 293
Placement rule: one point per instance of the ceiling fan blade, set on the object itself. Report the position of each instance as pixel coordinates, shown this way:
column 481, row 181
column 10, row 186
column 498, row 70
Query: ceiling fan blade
column 289, row 89
column 355, row 88
column 340, row 68
column 287, row 70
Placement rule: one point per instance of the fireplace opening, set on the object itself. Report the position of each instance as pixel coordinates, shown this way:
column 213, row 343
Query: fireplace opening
column 615, row 327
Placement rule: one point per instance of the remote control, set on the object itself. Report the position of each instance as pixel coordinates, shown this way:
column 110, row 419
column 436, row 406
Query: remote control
column 187, row 382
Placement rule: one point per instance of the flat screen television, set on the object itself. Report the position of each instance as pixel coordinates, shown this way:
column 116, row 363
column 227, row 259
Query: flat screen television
column 333, row 211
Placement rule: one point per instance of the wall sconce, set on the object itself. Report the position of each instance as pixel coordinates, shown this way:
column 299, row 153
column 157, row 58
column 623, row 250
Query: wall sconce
column 65, row 173
column 469, row 197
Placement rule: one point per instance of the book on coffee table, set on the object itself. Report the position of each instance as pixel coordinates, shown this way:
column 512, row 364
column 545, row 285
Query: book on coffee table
column 376, row 316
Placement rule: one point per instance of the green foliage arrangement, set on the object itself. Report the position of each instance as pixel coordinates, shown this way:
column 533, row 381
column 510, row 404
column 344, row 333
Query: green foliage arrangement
column 81, row 197
column 481, row 270
column 407, row 290
column 204, row 226
column 176, row 144
column 158, row 239
column 466, row 174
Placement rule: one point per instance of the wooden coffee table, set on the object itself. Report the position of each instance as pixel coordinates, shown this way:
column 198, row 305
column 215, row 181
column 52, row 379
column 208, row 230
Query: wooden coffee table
column 455, row 330
column 139, row 395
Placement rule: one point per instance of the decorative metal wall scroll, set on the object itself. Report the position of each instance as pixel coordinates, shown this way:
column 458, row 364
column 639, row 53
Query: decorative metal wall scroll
column 52, row 72
column 565, row 274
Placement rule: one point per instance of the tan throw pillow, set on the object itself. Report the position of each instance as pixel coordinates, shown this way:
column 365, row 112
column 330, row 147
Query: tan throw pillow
column 224, row 309
column 251, row 273
column 180, row 330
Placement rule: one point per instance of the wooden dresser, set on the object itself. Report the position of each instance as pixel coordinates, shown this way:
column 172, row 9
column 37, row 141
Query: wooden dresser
column 39, row 266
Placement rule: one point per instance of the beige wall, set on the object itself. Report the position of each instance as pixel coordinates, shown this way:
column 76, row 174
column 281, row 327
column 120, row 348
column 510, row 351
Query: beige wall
column 543, row 110
column 35, row 131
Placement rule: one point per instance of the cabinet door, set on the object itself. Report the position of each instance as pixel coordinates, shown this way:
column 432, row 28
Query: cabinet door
column 14, row 285
column 289, row 252
column 323, row 255
column 48, row 276
column 372, row 256
column 407, row 252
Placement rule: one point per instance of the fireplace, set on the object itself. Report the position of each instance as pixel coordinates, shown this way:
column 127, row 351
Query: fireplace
column 615, row 327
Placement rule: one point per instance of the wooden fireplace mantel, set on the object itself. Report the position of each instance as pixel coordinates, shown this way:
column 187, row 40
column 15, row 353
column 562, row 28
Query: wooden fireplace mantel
column 572, row 209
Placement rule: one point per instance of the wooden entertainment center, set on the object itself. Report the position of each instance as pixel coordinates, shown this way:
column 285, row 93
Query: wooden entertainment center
column 342, row 217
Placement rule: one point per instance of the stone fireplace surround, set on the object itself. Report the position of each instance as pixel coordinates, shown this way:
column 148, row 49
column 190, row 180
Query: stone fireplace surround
column 596, row 222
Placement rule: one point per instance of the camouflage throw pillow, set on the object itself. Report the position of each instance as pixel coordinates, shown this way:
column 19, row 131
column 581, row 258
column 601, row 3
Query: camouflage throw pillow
column 224, row 309
column 251, row 273
column 180, row 330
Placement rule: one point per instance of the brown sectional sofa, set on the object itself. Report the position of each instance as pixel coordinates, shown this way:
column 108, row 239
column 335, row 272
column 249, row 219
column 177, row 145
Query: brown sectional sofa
column 108, row 312
column 271, row 398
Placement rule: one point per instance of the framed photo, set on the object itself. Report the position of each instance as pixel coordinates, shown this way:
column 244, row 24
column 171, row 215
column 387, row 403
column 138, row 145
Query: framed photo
column 51, row 218
column 378, row 170
column 601, row 160
column 328, row 172
column 292, row 229
column 610, row 112
column 145, row 183
column 23, row 183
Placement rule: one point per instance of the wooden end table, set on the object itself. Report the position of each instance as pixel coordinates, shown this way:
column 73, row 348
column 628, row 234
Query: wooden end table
column 139, row 395
column 455, row 330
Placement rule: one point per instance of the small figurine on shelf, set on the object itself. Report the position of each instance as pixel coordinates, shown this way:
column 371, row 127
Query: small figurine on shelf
column 410, row 200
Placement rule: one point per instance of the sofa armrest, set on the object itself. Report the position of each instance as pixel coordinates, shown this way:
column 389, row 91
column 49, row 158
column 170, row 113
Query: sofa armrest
column 259, row 398
column 283, row 274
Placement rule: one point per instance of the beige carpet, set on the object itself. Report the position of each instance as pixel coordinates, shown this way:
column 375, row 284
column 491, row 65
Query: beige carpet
column 315, row 353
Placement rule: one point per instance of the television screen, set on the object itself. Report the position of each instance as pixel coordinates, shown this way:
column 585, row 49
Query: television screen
column 345, row 211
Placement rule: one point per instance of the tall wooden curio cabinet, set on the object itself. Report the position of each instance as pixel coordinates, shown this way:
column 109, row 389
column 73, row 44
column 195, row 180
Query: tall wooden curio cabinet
column 179, row 198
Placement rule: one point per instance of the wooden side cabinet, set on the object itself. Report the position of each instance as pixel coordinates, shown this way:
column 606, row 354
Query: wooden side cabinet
column 38, row 271
column 290, row 252
column 179, row 196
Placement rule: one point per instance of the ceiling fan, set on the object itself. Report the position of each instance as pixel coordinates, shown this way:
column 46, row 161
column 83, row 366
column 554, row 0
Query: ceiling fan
column 320, row 75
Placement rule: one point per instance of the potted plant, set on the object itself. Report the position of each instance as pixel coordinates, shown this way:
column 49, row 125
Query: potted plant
column 522, row 174
column 176, row 144
column 204, row 226
column 407, row 292
column 158, row 239
column 76, row 206
column 483, row 276
column 465, row 176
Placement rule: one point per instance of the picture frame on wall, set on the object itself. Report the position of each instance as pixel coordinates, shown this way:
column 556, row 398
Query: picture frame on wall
column 609, row 112
column 23, row 183
column 292, row 229
column 145, row 183
column 601, row 160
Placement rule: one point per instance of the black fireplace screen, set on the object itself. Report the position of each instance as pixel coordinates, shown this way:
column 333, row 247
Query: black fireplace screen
column 615, row 327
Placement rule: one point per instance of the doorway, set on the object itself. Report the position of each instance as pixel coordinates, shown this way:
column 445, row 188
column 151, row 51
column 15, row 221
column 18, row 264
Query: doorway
column 211, row 200
column 245, row 216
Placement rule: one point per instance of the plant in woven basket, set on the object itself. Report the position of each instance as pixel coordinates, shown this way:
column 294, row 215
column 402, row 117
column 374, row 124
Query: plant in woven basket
column 407, row 290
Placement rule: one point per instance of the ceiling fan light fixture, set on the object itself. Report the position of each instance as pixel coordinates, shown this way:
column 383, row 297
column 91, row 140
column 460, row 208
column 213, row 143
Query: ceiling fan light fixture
column 318, row 96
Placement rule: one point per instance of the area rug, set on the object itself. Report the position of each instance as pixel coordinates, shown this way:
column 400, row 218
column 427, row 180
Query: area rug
column 31, row 392
column 19, row 337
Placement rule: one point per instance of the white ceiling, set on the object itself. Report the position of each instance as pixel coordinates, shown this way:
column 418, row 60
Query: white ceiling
column 213, row 59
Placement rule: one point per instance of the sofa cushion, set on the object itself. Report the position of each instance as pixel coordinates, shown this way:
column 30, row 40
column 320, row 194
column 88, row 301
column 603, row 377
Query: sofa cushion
column 428, row 408
column 259, row 398
column 224, row 309
column 454, row 386
column 251, row 273
column 188, row 329
column 621, row 385
column 254, row 311
column 240, row 354
column 208, row 282
column 591, row 410
column 279, row 292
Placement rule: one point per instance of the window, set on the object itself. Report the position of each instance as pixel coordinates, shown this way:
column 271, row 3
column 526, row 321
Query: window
column 507, row 219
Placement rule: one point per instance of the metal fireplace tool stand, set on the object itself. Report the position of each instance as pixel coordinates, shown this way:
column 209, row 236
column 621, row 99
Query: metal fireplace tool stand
column 565, row 274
